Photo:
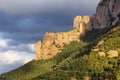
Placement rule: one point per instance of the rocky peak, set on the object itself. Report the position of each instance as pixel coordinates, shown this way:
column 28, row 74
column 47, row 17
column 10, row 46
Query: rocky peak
column 52, row 43
column 107, row 14
column 82, row 23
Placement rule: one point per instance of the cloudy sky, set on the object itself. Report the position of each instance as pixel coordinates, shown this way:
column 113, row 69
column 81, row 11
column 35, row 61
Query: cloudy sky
column 23, row 22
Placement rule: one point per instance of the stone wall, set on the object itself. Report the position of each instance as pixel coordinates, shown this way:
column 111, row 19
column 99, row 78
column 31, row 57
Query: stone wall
column 53, row 42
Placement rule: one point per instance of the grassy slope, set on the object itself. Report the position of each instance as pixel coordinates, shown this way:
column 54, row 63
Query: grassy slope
column 74, row 60
column 90, row 65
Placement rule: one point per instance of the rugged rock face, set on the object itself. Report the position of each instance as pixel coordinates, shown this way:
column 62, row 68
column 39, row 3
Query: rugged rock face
column 80, row 21
column 107, row 14
column 53, row 42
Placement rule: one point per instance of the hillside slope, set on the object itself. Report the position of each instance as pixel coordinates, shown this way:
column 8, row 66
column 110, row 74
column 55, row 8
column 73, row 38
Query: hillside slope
column 95, row 57
column 77, row 60
column 88, row 63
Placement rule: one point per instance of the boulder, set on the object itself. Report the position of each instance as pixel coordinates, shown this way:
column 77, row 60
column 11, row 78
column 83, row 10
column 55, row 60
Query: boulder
column 95, row 49
column 100, row 42
column 73, row 78
column 112, row 53
column 101, row 54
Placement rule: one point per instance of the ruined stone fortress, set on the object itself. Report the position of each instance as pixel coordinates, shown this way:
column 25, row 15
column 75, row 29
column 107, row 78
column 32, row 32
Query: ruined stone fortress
column 52, row 43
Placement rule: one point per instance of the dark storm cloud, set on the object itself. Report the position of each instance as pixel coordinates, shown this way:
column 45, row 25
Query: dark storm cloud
column 23, row 7
column 27, row 20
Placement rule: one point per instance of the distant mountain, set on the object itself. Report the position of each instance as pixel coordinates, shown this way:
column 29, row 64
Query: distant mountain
column 91, row 51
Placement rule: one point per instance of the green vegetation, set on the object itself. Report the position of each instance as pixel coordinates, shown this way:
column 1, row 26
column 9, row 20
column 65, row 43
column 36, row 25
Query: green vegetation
column 78, row 59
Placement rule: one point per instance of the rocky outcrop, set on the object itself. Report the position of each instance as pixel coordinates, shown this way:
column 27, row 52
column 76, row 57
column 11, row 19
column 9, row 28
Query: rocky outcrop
column 112, row 53
column 53, row 42
column 81, row 21
column 73, row 78
column 100, row 42
column 101, row 54
column 107, row 14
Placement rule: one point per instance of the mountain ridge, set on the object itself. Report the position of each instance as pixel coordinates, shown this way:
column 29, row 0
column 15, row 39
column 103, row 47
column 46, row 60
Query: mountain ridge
column 107, row 16
column 96, row 56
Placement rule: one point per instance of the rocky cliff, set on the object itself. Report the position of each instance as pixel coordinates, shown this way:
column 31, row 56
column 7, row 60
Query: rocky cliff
column 107, row 14
column 52, row 43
